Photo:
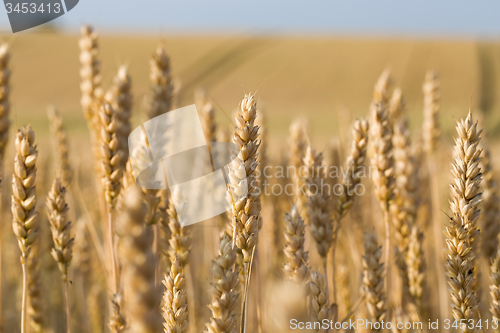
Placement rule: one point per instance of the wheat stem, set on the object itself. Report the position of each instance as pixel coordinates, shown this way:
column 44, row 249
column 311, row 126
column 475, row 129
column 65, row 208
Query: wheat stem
column 68, row 311
column 24, row 307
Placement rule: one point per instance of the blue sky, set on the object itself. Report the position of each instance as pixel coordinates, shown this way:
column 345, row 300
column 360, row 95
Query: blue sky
column 454, row 18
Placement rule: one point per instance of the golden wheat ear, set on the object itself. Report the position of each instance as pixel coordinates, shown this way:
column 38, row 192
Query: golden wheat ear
column 175, row 311
column 296, row 258
column 224, row 289
column 373, row 279
column 462, row 230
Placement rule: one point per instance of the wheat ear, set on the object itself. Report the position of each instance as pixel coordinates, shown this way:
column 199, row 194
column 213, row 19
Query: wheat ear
column 297, row 143
column 138, row 262
column 382, row 91
column 4, row 132
column 180, row 239
column 318, row 203
column 490, row 206
column 432, row 95
column 25, row 216
column 119, row 96
column 61, row 147
column 383, row 173
column 415, row 266
column 4, row 98
column 57, row 213
column 355, row 167
column 320, row 307
column 175, row 310
column 89, row 72
column 110, row 155
column 160, row 98
column 224, row 290
column 246, row 207
column 373, row 280
column 296, row 258
column 405, row 205
column 461, row 232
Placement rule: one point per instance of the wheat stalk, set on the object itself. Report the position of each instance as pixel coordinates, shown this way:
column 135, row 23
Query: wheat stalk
column 35, row 299
column 461, row 232
column 373, row 281
column 296, row 258
column 224, row 290
column 60, row 144
column 175, row 310
column 57, row 213
column 138, row 262
column 318, row 203
column 25, row 216
column 160, row 99
column 119, row 96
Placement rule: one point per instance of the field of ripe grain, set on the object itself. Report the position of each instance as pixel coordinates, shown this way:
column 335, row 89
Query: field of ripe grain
column 318, row 77
column 389, row 151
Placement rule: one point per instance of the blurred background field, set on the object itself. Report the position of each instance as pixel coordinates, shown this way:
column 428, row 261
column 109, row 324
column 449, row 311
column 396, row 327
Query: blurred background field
column 328, row 80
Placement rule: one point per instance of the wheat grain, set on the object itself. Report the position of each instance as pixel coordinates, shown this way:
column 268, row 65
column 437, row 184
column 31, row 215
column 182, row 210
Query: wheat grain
column 432, row 95
column 245, row 206
column 175, row 311
column 373, row 281
column 138, row 261
column 60, row 144
column 160, row 98
column 461, row 232
column 224, row 290
column 296, row 258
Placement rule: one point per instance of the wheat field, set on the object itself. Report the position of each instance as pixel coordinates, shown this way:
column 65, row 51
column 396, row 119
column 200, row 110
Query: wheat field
column 364, row 188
